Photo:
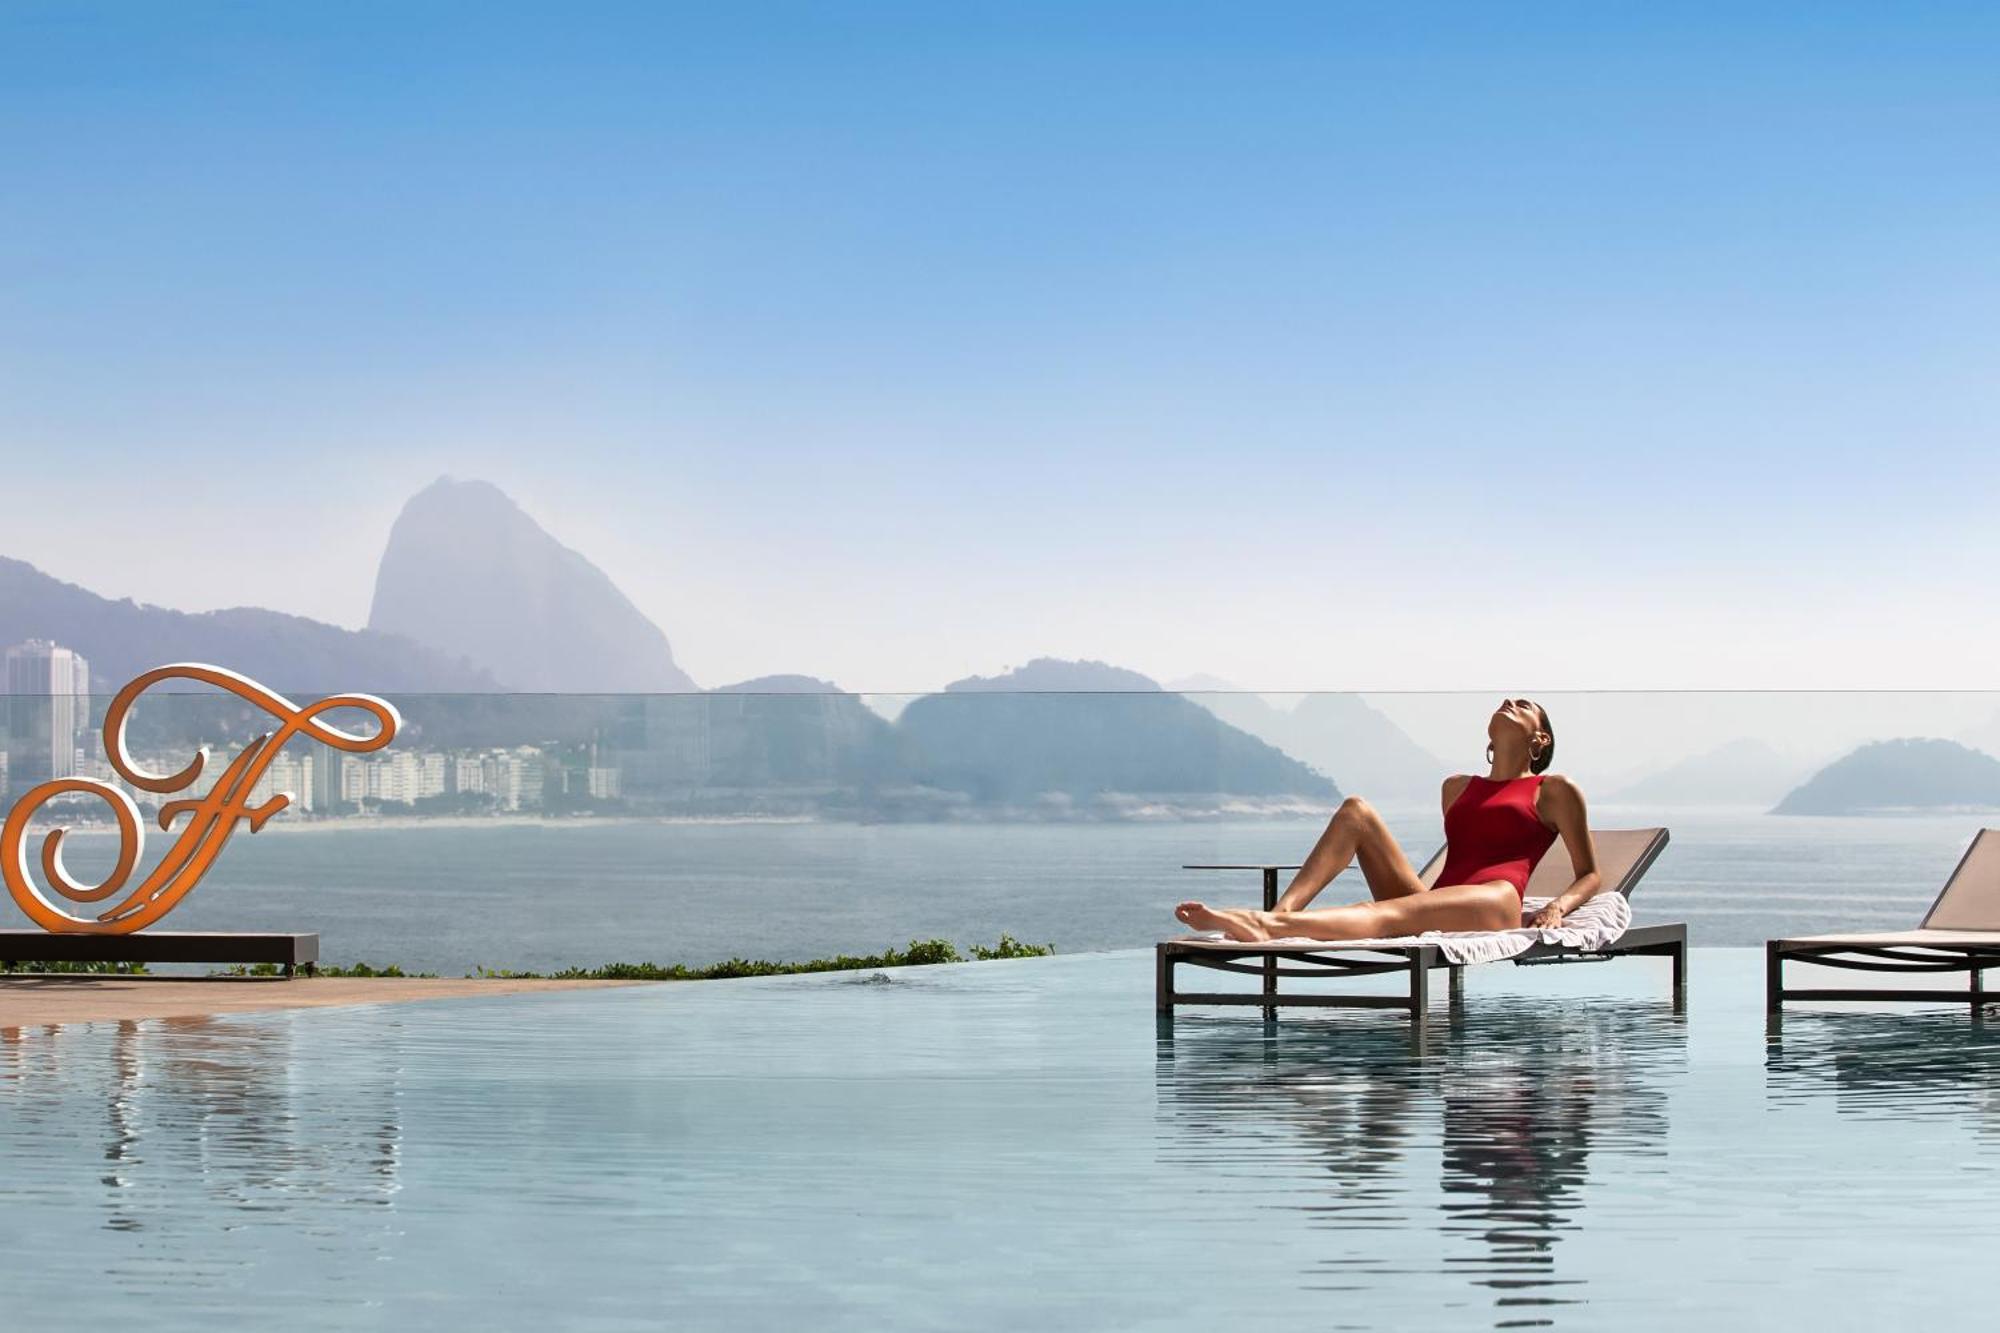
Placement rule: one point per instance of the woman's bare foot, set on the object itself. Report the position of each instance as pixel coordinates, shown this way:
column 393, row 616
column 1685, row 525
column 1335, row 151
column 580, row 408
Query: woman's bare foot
column 1198, row 915
column 1238, row 923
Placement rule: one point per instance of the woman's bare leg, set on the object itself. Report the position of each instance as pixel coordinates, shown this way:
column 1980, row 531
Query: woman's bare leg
column 1452, row 907
column 1492, row 906
column 1355, row 831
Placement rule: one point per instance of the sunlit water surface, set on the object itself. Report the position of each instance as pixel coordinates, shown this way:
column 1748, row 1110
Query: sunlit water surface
column 1004, row 1145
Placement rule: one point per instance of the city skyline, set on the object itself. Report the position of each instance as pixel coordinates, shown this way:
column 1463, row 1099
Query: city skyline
column 1320, row 347
column 46, row 718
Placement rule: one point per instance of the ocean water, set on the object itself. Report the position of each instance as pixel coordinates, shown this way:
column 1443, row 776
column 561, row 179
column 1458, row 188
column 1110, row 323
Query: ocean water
column 450, row 897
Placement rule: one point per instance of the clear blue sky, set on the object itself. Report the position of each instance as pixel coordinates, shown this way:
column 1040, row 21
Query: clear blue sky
column 1385, row 345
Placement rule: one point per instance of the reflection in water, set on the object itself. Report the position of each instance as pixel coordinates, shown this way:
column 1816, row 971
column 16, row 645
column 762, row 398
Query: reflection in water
column 214, row 1106
column 1515, row 1100
column 1905, row 1064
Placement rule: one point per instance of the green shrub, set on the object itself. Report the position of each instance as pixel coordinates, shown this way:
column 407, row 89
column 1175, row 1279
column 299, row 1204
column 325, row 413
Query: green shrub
column 1009, row 947
column 920, row 953
column 322, row 970
column 73, row 969
column 364, row 970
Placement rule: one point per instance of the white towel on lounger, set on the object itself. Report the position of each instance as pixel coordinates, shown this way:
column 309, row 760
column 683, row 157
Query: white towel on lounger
column 1594, row 925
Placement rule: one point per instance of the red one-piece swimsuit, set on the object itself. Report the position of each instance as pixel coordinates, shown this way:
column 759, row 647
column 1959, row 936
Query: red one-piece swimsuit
column 1492, row 832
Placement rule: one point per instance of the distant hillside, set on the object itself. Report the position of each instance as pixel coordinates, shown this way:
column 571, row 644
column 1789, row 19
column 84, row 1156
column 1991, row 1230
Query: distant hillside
column 781, row 685
column 754, row 748
column 760, row 738
column 1900, row 775
column 1338, row 734
column 467, row 572
column 1246, row 711
column 1370, row 755
column 793, row 732
column 1741, row 773
column 1052, row 674
column 1019, row 739
column 123, row 638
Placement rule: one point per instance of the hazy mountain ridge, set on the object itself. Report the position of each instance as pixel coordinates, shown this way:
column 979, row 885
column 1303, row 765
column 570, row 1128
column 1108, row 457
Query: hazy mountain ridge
column 1742, row 772
column 795, row 745
column 1343, row 731
column 782, row 684
column 468, row 572
column 124, row 638
column 1339, row 734
column 1057, row 675
column 1909, row 774
column 1030, row 736
column 467, row 568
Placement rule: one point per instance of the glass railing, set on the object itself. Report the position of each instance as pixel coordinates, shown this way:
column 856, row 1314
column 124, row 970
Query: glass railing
column 542, row 831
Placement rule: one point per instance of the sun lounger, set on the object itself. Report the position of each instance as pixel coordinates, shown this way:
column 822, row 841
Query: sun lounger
column 1623, row 856
column 1961, row 933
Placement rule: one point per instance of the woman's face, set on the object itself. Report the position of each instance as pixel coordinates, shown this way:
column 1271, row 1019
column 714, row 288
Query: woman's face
column 1522, row 718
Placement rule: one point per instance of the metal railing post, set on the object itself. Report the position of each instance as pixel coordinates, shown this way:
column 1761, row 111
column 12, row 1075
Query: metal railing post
column 1270, row 960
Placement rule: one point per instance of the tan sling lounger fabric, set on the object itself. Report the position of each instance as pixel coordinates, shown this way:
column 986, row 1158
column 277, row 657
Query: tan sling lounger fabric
column 1960, row 934
column 1971, row 897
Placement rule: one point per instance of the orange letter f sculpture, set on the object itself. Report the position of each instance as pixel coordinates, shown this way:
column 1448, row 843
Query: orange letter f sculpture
column 214, row 816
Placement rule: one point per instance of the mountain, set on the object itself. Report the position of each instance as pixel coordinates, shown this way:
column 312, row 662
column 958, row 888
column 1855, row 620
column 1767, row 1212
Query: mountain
column 1889, row 777
column 780, row 685
column 288, row 653
column 1240, row 708
column 759, row 737
column 1338, row 734
column 787, row 745
column 471, row 575
column 799, row 731
column 1061, row 732
column 1054, row 675
column 1743, row 772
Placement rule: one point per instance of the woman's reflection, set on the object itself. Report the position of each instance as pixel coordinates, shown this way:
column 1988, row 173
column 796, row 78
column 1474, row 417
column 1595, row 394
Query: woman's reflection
column 1516, row 1101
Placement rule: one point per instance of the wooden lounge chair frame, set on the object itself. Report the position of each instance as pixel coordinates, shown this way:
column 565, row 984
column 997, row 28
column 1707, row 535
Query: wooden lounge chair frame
column 1339, row 961
column 1943, row 944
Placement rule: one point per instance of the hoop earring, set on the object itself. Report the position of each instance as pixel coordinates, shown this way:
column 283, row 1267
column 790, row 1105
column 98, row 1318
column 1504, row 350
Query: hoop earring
column 1489, row 752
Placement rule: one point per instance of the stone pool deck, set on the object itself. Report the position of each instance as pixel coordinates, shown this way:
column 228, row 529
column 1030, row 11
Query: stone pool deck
column 38, row 1001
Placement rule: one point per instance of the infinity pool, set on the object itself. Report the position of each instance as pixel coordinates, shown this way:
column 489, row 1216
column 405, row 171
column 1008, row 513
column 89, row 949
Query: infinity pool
column 1005, row 1144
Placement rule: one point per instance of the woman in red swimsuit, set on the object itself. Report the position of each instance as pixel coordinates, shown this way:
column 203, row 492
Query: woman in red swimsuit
column 1496, row 828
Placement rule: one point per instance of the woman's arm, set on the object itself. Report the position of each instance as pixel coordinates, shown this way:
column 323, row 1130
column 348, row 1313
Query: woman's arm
column 1560, row 804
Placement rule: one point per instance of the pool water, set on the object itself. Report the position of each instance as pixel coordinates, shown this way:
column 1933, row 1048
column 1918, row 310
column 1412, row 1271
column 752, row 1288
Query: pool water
column 1004, row 1144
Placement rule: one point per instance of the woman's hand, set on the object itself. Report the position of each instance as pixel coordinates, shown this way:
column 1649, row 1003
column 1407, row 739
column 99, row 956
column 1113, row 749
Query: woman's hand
column 1549, row 917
